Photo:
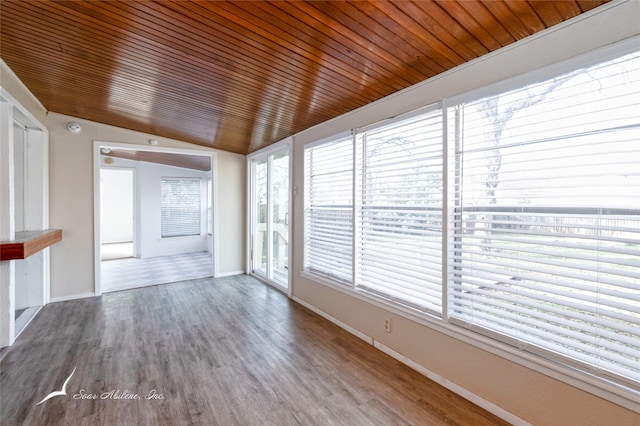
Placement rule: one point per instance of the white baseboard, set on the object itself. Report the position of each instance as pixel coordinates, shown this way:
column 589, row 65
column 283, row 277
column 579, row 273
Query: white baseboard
column 71, row 297
column 470, row 396
column 228, row 274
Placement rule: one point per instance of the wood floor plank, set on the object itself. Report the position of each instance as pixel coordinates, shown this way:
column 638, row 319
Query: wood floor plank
column 228, row 351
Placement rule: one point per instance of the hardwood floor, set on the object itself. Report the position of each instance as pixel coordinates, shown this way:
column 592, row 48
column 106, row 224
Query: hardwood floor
column 228, row 351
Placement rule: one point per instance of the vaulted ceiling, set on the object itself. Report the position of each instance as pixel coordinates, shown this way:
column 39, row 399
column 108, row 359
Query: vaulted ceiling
column 240, row 75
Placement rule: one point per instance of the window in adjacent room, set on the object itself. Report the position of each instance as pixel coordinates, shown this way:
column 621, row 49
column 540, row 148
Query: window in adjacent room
column 180, row 207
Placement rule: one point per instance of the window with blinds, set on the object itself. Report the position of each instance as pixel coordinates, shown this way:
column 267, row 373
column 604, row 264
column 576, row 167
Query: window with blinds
column 329, row 209
column 542, row 222
column 546, row 229
column 180, row 207
column 399, row 241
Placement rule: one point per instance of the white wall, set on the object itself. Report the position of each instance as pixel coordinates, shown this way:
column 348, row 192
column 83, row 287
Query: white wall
column 151, row 243
column 530, row 395
column 71, row 201
column 116, row 192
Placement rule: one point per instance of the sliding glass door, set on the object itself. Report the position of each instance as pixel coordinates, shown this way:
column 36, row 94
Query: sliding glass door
column 270, row 217
column 260, row 246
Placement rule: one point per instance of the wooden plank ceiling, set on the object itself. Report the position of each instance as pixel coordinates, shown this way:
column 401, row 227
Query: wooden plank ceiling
column 240, row 75
column 196, row 162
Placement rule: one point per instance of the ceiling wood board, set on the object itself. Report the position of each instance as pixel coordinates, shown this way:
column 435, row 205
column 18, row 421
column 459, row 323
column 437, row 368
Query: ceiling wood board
column 187, row 161
column 241, row 75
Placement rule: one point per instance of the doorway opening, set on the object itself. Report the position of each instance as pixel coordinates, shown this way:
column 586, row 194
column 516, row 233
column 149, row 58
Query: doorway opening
column 155, row 218
column 117, row 192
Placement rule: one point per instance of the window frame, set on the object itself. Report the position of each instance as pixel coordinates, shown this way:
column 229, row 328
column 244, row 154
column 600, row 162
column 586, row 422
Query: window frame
column 419, row 118
column 517, row 274
column 342, row 138
column 200, row 208
column 616, row 392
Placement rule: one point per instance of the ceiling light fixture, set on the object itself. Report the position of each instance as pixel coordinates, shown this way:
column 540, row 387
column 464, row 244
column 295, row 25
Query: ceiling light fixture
column 74, row 127
column 106, row 150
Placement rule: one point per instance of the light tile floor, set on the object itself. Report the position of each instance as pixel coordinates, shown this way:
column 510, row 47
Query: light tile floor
column 129, row 273
column 116, row 250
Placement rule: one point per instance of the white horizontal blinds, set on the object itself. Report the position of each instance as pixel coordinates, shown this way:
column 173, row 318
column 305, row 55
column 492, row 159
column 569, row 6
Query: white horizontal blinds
column 400, row 234
column 180, row 207
column 546, row 245
column 329, row 209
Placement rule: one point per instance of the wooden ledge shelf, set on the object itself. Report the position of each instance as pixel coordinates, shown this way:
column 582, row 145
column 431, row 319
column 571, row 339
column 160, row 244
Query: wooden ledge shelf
column 28, row 243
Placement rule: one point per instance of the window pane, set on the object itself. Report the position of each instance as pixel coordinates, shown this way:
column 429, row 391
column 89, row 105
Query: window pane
column 180, row 207
column 329, row 209
column 546, row 245
column 400, row 238
column 261, row 242
column 280, row 217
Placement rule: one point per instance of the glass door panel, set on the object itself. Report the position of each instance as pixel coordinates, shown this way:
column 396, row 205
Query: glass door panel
column 260, row 243
column 280, row 217
column 271, row 217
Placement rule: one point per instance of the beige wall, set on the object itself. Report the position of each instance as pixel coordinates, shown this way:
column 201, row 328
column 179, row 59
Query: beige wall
column 21, row 94
column 71, row 202
column 231, row 187
column 530, row 395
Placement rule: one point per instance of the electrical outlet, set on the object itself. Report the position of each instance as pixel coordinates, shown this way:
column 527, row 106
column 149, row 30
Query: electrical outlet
column 387, row 325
